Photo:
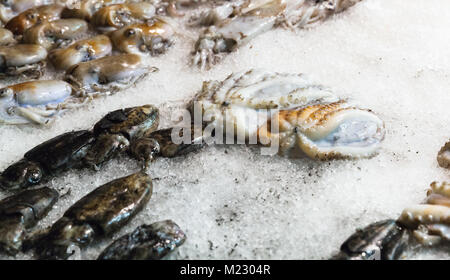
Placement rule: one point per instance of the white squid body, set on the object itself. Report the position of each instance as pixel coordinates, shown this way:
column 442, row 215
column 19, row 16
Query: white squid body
column 430, row 221
column 21, row 55
column 307, row 115
column 326, row 131
column 33, row 101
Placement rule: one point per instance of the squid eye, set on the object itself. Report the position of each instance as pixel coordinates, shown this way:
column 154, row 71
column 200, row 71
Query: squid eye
column 130, row 32
column 31, row 16
column 34, row 176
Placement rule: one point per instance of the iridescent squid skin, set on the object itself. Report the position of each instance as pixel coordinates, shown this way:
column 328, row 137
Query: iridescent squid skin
column 27, row 60
column 153, row 38
column 98, row 214
column 6, row 37
column 108, row 74
column 33, row 101
column 30, row 17
column 147, row 242
column 81, row 51
column 10, row 8
column 57, row 33
column 20, row 212
column 113, row 134
column 116, row 16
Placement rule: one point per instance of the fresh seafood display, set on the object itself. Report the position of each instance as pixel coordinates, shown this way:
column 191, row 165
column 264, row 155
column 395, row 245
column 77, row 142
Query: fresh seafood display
column 118, row 15
column 25, row 60
column 57, row 33
column 81, row 51
column 292, row 111
column 153, row 37
column 107, row 74
column 34, row 101
column 30, row 17
column 111, row 135
column 20, row 212
column 98, row 214
column 99, row 47
column 235, row 23
column 147, row 242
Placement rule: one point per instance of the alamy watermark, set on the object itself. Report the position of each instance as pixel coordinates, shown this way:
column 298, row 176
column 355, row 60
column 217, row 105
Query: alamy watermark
column 226, row 126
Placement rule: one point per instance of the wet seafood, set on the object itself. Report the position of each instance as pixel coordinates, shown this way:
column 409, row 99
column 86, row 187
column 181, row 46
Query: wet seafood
column 6, row 37
column 110, row 136
column 10, row 8
column 116, row 16
column 427, row 224
column 289, row 110
column 88, row 8
column 81, row 51
column 237, row 22
column 443, row 157
column 34, row 101
column 162, row 143
column 98, row 214
column 326, row 131
column 107, row 74
column 58, row 33
column 153, row 37
column 22, row 60
column 430, row 222
column 383, row 240
column 147, row 242
column 254, row 95
column 20, row 212
column 30, row 17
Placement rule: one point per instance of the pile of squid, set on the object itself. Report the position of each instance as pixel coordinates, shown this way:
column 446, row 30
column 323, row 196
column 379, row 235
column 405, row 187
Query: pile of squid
column 105, row 210
column 310, row 117
column 100, row 45
column 426, row 225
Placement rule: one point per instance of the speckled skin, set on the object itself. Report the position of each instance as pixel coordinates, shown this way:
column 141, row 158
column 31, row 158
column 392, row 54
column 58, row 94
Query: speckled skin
column 110, row 136
column 21, row 212
column 147, row 242
column 96, row 215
